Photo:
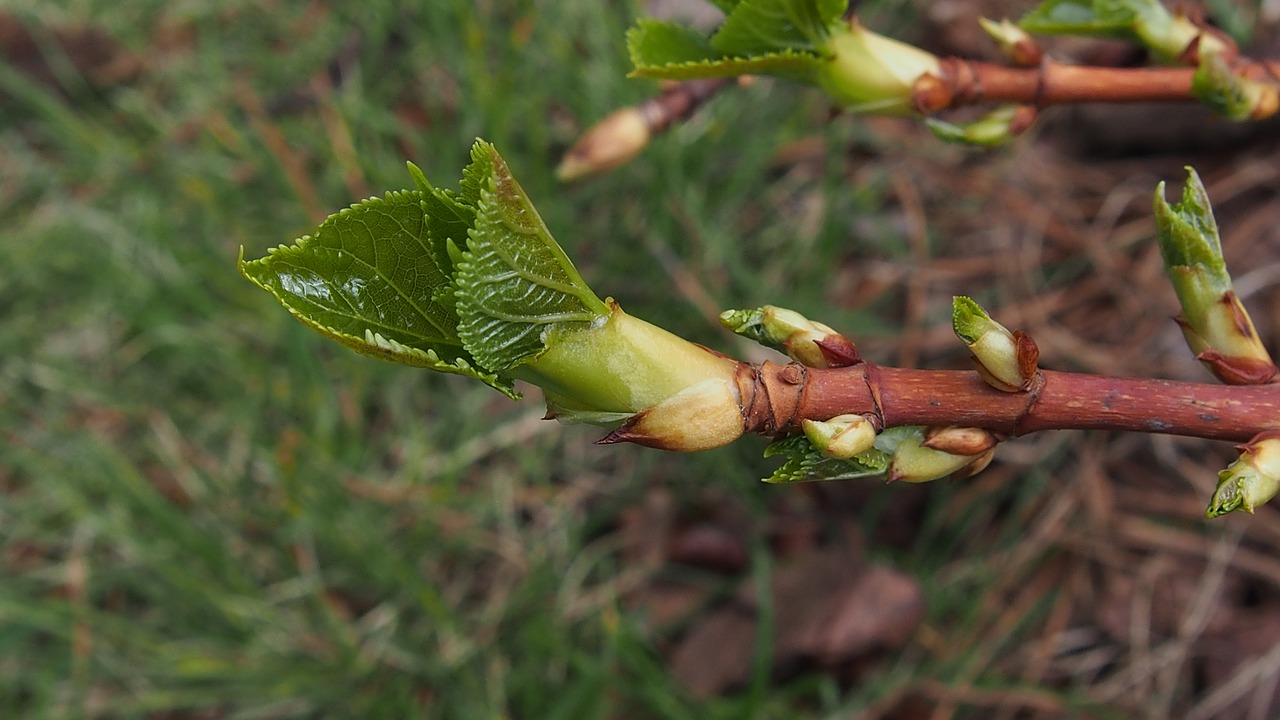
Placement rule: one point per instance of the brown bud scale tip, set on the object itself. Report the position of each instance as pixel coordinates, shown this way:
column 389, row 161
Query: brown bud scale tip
column 1237, row 370
column 839, row 351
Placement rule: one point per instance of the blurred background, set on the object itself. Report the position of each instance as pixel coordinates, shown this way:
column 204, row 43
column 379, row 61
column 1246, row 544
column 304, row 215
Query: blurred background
column 209, row 511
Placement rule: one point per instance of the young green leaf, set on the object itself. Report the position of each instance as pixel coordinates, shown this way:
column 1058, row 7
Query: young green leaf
column 654, row 42
column 514, row 282
column 448, row 221
column 757, row 27
column 368, row 279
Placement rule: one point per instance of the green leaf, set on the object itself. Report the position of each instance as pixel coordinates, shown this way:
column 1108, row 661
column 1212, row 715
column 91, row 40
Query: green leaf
column 448, row 220
column 654, row 43
column 805, row 463
column 1187, row 231
column 788, row 64
column 757, row 27
column 514, row 282
column 369, row 279
column 1081, row 17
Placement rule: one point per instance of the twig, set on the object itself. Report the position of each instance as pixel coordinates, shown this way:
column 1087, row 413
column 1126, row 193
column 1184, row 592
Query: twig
column 778, row 397
column 965, row 82
column 625, row 132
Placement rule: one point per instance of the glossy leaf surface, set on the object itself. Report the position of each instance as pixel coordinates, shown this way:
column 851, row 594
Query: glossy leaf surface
column 369, row 279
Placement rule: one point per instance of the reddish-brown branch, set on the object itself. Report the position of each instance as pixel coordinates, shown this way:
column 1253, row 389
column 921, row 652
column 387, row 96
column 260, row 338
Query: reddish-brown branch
column 782, row 395
column 964, row 82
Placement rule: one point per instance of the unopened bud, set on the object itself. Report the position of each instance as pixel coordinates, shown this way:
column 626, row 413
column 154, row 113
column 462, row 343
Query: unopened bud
column 913, row 461
column 1251, row 480
column 842, row 437
column 701, row 417
column 995, row 128
column 975, row 466
column 1229, row 93
column 1014, row 42
column 610, row 143
column 807, row 342
column 960, row 440
column 1007, row 361
column 872, row 73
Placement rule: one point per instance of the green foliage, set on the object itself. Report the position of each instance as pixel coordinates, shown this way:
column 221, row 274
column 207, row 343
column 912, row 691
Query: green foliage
column 369, row 279
column 464, row 283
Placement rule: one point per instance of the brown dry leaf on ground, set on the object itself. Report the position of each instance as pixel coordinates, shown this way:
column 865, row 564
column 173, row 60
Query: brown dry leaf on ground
column 830, row 611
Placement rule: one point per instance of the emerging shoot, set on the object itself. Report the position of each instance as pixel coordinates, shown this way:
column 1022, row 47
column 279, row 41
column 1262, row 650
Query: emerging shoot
column 1213, row 320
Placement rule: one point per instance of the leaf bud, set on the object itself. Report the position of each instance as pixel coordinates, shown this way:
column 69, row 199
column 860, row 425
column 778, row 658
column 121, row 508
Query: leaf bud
column 914, row 461
column 1014, row 42
column 1231, row 94
column 809, row 343
column 609, row 143
column 701, row 417
column 1214, row 322
column 872, row 73
column 1252, row 480
column 1007, row 361
column 960, row 440
column 995, row 128
column 842, row 437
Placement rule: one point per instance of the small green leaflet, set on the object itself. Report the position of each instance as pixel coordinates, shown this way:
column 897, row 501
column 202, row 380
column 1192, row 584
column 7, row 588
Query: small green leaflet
column 514, row 282
column 804, row 463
